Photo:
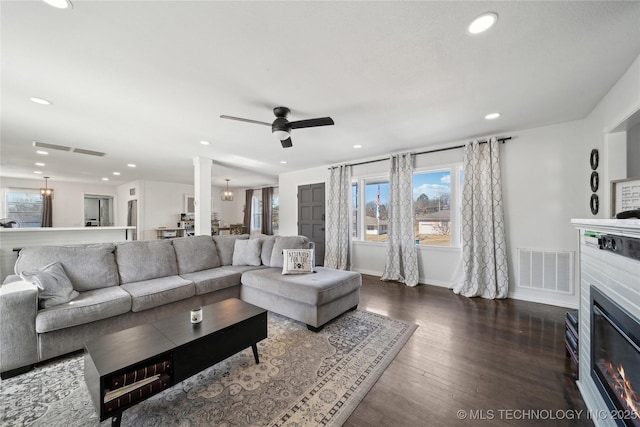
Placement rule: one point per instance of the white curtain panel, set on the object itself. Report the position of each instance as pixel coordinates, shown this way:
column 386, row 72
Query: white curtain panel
column 338, row 218
column 483, row 237
column 402, row 259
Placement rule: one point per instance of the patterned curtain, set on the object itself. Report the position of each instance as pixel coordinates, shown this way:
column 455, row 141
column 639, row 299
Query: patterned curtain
column 338, row 236
column 483, row 241
column 402, row 259
column 248, row 199
column 267, row 218
column 46, row 219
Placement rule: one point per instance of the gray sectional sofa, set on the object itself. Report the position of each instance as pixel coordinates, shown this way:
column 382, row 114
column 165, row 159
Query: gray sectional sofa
column 120, row 285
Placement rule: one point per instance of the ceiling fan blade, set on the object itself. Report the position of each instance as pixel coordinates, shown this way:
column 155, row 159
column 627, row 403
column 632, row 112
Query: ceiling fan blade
column 286, row 143
column 322, row 121
column 240, row 119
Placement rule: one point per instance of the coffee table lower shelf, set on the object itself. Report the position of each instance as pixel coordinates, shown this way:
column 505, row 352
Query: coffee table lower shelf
column 172, row 348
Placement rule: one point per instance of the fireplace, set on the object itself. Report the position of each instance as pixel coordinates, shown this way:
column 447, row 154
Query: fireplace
column 615, row 358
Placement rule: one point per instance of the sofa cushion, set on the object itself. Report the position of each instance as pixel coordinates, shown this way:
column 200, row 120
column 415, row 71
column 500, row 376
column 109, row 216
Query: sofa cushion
column 87, row 266
column 316, row 289
column 213, row 280
column 286, row 242
column 267, row 247
column 54, row 287
column 145, row 259
column 243, row 268
column 247, row 252
column 195, row 253
column 87, row 307
column 225, row 245
column 156, row 292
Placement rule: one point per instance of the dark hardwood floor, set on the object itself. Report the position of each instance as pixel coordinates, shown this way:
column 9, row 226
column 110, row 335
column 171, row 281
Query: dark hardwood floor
column 500, row 362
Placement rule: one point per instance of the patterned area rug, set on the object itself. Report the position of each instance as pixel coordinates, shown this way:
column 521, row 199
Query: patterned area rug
column 303, row 379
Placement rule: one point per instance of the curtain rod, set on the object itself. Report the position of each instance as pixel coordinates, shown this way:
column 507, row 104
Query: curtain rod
column 506, row 138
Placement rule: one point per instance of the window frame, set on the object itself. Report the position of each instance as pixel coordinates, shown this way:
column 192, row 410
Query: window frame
column 21, row 190
column 455, row 200
column 361, row 182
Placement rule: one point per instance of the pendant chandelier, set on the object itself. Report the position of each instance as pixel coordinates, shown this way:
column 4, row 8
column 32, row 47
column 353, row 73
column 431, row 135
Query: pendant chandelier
column 46, row 191
column 227, row 195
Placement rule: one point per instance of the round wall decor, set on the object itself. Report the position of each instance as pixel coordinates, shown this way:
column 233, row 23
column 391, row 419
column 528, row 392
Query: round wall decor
column 594, row 181
column 594, row 159
column 594, row 204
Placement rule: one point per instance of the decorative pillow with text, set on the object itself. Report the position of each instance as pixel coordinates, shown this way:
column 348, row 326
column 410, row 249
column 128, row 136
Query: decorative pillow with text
column 297, row 261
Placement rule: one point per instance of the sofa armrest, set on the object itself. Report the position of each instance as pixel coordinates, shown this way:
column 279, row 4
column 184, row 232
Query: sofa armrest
column 18, row 338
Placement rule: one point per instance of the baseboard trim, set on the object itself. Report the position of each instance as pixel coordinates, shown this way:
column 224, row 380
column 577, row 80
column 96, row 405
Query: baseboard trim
column 513, row 295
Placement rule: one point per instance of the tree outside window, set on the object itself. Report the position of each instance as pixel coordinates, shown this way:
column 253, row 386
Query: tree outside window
column 24, row 206
column 432, row 207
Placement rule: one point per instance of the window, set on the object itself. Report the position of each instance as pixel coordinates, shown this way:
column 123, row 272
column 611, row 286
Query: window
column 275, row 211
column 432, row 207
column 256, row 212
column 376, row 219
column 24, row 205
column 355, row 232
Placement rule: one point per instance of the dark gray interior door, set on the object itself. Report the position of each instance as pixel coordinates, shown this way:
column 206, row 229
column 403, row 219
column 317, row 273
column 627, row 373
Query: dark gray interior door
column 311, row 216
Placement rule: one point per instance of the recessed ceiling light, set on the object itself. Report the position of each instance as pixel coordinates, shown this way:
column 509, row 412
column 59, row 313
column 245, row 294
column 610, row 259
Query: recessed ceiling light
column 483, row 22
column 284, row 162
column 116, row 173
column 40, row 164
column 105, row 179
column 60, row 4
column 205, row 143
column 40, row 101
column 38, row 172
column 131, row 165
column 492, row 116
column 44, row 153
column 357, row 146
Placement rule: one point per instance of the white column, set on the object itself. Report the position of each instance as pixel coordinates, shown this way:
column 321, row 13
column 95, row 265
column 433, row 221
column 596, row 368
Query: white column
column 202, row 194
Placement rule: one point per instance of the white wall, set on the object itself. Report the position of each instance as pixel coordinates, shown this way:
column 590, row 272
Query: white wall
column 543, row 188
column 68, row 198
column 620, row 103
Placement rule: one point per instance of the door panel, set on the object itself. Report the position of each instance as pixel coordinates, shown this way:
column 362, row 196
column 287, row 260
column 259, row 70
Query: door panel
column 311, row 217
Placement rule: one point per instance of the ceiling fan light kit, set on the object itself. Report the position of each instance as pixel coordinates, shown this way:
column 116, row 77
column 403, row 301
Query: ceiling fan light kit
column 281, row 127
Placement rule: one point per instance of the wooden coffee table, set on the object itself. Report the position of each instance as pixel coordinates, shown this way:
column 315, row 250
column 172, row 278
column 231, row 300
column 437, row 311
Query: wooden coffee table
column 227, row 327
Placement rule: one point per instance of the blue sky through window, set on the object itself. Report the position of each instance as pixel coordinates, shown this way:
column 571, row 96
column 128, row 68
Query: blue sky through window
column 372, row 192
column 432, row 184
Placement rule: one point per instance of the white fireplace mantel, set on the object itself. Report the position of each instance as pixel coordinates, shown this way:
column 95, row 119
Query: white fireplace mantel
column 615, row 276
column 621, row 227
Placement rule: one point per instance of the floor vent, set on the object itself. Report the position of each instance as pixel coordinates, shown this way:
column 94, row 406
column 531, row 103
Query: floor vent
column 545, row 270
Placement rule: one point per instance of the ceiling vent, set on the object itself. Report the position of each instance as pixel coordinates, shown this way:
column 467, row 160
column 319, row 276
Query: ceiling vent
column 51, row 146
column 89, row 152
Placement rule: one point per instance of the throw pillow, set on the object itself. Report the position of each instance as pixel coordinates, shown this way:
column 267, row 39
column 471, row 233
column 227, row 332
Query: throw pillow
column 54, row 287
column 286, row 242
column 267, row 247
column 297, row 261
column 247, row 252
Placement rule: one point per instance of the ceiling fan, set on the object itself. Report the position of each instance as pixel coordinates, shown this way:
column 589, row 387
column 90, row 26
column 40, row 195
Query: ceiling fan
column 281, row 127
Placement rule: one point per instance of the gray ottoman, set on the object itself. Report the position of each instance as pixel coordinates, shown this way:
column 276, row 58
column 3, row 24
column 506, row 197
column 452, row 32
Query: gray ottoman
column 313, row 298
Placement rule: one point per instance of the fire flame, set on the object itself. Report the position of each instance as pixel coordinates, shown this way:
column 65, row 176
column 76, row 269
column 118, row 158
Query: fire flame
column 623, row 387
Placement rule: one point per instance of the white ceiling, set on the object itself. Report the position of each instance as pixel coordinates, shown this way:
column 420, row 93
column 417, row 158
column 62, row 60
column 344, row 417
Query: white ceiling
column 146, row 81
